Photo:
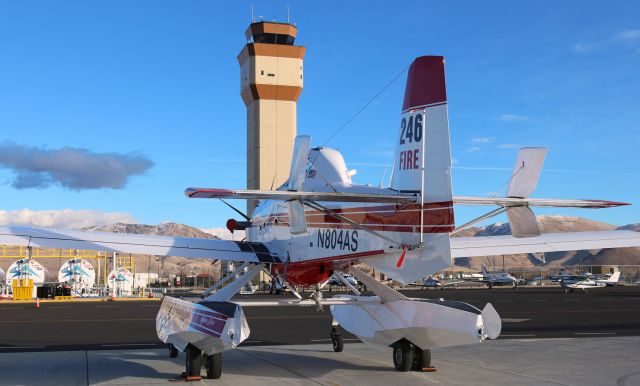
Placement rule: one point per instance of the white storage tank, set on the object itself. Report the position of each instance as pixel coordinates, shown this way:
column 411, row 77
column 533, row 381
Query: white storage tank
column 122, row 279
column 79, row 274
column 26, row 269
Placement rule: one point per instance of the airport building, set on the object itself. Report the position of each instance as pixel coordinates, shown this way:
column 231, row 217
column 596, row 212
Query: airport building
column 271, row 80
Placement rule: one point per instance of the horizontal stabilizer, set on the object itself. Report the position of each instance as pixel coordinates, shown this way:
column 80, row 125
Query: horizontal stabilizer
column 540, row 202
column 548, row 242
column 288, row 195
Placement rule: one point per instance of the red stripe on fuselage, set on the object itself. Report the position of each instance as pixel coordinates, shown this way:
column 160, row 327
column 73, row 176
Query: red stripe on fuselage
column 311, row 272
column 436, row 218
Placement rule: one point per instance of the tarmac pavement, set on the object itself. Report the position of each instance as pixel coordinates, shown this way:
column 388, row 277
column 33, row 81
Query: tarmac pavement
column 570, row 361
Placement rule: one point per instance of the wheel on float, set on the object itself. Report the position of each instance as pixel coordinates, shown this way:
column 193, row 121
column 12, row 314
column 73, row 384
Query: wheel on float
column 173, row 351
column 336, row 341
column 213, row 365
column 403, row 356
column 194, row 361
column 421, row 359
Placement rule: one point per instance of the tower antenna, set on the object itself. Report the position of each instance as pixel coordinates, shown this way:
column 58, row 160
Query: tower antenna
column 288, row 20
column 253, row 16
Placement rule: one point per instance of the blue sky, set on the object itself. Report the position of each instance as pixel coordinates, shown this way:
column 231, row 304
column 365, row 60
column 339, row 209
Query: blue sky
column 160, row 80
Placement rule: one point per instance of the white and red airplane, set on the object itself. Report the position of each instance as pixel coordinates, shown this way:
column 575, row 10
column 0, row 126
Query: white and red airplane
column 320, row 224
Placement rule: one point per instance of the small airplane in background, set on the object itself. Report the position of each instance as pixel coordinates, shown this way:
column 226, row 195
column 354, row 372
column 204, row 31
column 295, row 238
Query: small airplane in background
column 347, row 277
column 574, row 282
column 566, row 276
column 320, row 224
column 432, row 282
column 497, row 278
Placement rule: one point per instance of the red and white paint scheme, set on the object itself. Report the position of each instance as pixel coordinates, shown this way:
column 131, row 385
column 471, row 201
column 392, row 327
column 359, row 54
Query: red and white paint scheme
column 320, row 224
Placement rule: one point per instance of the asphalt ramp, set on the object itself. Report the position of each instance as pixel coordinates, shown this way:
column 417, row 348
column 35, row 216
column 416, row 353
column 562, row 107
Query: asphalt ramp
column 570, row 361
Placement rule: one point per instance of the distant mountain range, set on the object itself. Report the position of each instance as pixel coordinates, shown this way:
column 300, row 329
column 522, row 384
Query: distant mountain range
column 549, row 224
column 171, row 263
column 554, row 224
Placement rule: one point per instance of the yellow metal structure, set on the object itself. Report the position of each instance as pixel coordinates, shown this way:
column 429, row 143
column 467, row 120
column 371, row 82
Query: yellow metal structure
column 19, row 252
column 127, row 262
column 22, row 289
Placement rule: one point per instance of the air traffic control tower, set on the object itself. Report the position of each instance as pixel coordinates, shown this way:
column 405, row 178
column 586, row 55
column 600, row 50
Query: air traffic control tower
column 270, row 84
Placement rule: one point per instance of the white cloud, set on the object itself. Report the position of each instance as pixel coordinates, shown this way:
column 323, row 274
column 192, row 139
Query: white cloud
column 512, row 117
column 629, row 38
column 632, row 35
column 508, row 146
column 473, row 149
column 71, row 168
column 65, row 218
column 584, row 48
column 224, row 233
column 482, row 140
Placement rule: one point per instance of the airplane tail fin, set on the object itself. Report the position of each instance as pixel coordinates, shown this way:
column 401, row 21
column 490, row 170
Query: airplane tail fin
column 422, row 165
column 484, row 270
column 615, row 277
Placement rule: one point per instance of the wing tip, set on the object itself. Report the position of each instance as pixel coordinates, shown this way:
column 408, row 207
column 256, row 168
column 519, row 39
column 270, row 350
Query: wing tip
column 207, row 192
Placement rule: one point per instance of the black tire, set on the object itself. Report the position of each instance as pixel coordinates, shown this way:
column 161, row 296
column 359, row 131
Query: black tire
column 173, row 351
column 403, row 356
column 337, row 343
column 193, row 361
column 213, row 365
column 421, row 359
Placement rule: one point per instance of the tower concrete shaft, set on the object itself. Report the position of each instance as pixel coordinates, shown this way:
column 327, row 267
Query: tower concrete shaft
column 270, row 84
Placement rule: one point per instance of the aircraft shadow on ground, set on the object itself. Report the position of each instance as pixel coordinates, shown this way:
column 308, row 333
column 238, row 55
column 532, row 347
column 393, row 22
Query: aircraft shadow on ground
column 109, row 366
column 314, row 366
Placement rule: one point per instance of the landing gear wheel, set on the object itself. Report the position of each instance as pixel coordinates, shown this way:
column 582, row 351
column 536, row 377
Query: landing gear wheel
column 213, row 365
column 173, row 351
column 336, row 340
column 194, row 361
column 421, row 359
column 403, row 356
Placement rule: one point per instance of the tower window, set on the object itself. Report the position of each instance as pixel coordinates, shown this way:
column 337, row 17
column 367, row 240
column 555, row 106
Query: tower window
column 261, row 72
column 273, row 39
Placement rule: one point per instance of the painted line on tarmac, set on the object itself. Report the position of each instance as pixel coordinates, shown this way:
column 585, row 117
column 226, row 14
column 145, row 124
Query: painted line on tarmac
column 20, row 347
column 10, row 308
column 594, row 333
column 590, row 311
column 59, row 307
column 150, row 305
column 77, row 320
column 514, row 320
column 570, row 300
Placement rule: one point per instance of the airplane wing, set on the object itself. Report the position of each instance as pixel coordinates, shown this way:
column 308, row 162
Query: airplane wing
column 396, row 198
column 548, row 242
column 541, row 202
column 298, row 195
column 141, row 244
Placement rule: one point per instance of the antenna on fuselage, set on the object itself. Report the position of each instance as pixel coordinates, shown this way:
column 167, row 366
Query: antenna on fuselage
column 384, row 173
